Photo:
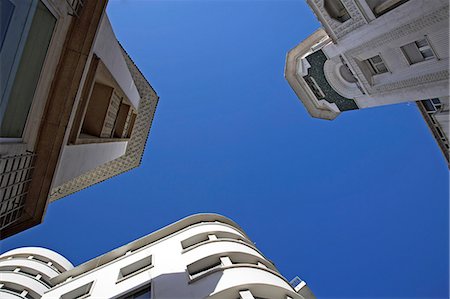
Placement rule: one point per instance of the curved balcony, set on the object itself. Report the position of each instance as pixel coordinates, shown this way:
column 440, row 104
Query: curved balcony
column 261, row 281
column 36, row 265
column 224, row 247
column 24, row 280
column 60, row 262
column 5, row 294
column 211, row 227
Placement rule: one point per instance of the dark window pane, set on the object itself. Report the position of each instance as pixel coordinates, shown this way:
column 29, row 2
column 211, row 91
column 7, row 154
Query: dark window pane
column 428, row 105
column 28, row 73
column 6, row 12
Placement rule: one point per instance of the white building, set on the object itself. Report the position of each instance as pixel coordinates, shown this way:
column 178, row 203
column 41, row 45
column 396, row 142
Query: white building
column 201, row 256
column 372, row 53
column 74, row 108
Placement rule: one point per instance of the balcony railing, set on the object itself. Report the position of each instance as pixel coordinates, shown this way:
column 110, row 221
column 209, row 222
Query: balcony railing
column 15, row 175
column 76, row 6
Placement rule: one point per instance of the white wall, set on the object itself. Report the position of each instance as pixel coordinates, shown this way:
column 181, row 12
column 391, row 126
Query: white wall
column 107, row 48
column 78, row 159
column 169, row 277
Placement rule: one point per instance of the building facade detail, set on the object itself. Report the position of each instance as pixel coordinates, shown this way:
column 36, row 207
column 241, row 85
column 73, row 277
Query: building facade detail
column 27, row 272
column 201, row 256
column 372, row 53
column 74, row 108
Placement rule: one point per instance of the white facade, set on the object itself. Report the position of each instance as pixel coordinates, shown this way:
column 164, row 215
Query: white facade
column 27, row 272
column 372, row 53
column 202, row 256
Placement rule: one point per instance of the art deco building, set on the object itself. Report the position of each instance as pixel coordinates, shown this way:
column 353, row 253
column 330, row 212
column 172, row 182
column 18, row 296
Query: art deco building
column 74, row 109
column 201, row 256
column 372, row 53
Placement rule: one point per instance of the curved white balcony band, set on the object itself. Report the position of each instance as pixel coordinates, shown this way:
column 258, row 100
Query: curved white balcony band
column 36, row 265
column 222, row 248
column 243, row 242
column 241, row 276
column 211, row 227
column 55, row 258
column 24, row 280
column 4, row 294
column 225, row 247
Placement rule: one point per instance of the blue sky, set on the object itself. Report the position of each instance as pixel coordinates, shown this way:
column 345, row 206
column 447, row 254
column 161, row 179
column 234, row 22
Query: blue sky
column 358, row 207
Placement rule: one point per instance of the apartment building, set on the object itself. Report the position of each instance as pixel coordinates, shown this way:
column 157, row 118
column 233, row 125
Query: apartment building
column 201, row 256
column 375, row 52
column 74, row 108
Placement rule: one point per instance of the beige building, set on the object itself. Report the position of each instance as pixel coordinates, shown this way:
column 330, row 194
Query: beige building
column 201, row 256
column 74, row 108
column 372, row 53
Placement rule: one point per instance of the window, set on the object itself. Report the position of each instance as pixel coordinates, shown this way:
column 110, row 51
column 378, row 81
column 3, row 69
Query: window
column 80, row 292
column 432, row 105
column 380, row 7
column 6, row 12
column 104, row 114
column 336, row 10
column 376, row 65
column 135, row 268
column 18, row 89
column 204, row 265
column 314, row 87
column 141, row 293
column 418, row 51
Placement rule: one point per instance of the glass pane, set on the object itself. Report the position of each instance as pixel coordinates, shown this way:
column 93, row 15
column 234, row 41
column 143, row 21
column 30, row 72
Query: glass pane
column 376, row 59
column 421, row 43
column 427, row 54
column 428, row 105
column 144, row 294
column 436, row 101
column 6, row 12
column 28, row 73
column 381, row 68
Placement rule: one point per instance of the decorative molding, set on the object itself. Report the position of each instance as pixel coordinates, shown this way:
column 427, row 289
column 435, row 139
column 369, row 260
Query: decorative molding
column 437, row 16
column 339, row 29
column 136, row 144
column 416, row 81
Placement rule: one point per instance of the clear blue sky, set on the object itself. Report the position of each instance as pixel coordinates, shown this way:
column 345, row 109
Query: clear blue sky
column 358, row 207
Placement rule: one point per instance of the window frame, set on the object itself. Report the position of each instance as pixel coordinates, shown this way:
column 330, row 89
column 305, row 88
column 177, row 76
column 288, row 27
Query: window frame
column 373, row 66
column 421, row 50
column 41, row 91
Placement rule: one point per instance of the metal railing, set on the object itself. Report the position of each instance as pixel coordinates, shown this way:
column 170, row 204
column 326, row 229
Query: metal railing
column 15, row 175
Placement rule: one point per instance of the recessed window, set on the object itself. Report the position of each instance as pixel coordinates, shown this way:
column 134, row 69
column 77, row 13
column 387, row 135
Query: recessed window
column 336, row 10
column 203, row 266
column 418, row 51
column 315, row 88
column 376, row 65
column 380, row 7
column 432, row 105
column 80, row 292
column 105, row 114
column 135, row 268
column 142, row 293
